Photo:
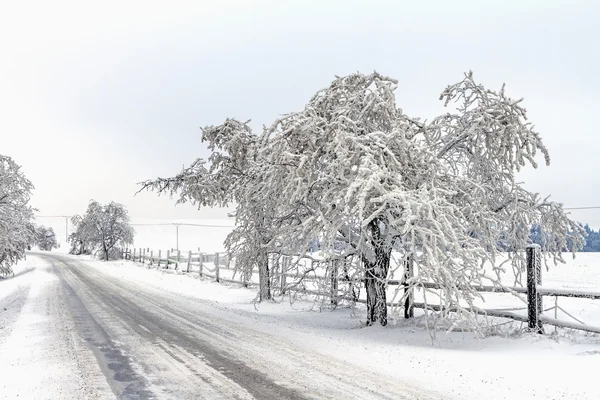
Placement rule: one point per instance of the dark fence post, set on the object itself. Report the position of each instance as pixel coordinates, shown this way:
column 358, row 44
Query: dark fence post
column 200, row 261
column 285, row 265
column 167, row 261
column 534, row 278
column 134, row 254
column 217, row 267
column 409, row 292
column 334, row 283
column 189, row 263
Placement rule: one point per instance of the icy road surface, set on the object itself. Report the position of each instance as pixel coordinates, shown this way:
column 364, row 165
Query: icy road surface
column 70, row 331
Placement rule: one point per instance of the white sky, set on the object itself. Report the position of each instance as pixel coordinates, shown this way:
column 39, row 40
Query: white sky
column 94, row 98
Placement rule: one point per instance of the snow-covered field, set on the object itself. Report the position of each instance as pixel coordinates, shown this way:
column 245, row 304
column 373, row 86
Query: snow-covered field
column 208, row 234
column 457, row 364
column 515, row 366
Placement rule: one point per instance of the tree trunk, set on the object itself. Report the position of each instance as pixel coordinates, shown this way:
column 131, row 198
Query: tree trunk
column 263, row 277
column 375, row 279
column 105, row 252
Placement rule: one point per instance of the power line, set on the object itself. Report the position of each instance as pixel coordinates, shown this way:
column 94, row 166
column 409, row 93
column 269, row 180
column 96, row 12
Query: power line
column 66, row 217
column 185, row 224
column 581, row 208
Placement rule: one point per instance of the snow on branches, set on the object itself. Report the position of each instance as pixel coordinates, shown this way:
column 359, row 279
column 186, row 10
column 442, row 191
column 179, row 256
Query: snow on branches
column 16, row 228
column 378, row 188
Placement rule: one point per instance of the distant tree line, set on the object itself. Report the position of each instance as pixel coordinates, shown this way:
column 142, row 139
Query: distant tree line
column 592, row 238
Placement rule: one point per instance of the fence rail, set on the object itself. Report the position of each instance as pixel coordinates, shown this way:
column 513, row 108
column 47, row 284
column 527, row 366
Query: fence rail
column 197, row 262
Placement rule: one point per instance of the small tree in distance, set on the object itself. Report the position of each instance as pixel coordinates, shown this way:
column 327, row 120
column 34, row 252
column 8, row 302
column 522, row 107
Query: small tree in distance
column 103, row 228
column 45, row 238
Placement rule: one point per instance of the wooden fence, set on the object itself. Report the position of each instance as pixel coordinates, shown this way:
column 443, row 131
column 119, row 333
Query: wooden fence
column 534, row 291
column 191, row 262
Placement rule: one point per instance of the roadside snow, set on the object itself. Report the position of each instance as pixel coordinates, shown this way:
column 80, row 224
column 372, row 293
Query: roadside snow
column 457, row 365
column 41, row 355
column 21, row 277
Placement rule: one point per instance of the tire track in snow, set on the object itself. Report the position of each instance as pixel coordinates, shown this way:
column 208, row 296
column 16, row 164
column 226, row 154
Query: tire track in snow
column 43, row 358
column 189, row 352
column 180, row 327
column 10, row 308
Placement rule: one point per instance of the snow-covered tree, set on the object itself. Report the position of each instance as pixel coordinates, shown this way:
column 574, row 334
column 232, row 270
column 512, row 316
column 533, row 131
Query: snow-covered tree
column 103, row 228
column 231, row 176
column 354, row 168
column 351, row 168
column 45, row 238
column 349, row 164
column 16, row 228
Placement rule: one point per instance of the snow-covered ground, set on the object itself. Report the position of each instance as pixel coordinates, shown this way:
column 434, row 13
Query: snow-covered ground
column 457, row 364
column 41, row 354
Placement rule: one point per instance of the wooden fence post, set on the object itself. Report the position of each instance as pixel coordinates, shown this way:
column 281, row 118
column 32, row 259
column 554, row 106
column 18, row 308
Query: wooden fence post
column 151, row 257
column 167, row 262
column 534, row 278
column 285, row 261
column 334, row 283
column 133, row 254
column 409, row 293
column 144, row 257
column 217, row 267
column 200, row 261
column 189, row 263
column 160, row 251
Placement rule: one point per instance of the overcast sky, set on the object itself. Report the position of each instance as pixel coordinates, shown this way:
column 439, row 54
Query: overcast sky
column 94, row 98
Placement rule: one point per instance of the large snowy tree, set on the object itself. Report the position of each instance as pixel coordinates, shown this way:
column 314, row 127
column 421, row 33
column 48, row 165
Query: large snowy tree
column 16, row 227
column 103, row 228
column 381, row 189
column 443, row 195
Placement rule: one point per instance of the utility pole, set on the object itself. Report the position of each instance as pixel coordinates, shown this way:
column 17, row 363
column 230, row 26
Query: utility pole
column 66, row 217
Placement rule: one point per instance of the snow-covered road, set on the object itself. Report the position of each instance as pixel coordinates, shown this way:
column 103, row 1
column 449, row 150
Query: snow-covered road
column 70, row 331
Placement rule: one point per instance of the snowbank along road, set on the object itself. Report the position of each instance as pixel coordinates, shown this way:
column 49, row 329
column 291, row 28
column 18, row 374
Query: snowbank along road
column 70, row 331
